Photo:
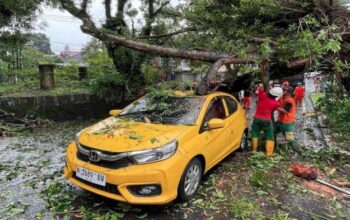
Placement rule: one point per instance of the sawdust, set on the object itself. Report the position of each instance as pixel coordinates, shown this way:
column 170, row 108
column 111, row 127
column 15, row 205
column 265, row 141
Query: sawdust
column 319, row 187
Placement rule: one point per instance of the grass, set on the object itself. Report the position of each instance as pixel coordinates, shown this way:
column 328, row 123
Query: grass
column 316, row 96
column 244, row 208
column 17, row 90
column 58, row 197
column 260, row 180
column 337, row 112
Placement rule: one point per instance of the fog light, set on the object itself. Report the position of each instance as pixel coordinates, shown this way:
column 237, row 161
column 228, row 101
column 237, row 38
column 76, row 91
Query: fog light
column 145, row 190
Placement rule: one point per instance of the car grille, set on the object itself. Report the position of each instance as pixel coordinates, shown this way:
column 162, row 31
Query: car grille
column 110, row 188
column 123, row 162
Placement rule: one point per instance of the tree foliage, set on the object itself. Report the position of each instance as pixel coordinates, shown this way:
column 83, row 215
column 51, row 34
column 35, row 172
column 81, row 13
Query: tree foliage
column 40, row 42
column 19, row 14
column 105, row 77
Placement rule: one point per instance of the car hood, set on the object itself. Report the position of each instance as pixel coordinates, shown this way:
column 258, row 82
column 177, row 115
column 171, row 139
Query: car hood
column 120, row 135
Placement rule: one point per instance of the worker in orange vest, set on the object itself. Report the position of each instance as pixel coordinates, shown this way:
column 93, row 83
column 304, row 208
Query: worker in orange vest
column 286, row 120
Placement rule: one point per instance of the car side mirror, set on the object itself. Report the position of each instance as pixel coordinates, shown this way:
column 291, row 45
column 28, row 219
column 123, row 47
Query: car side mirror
column 216, row 123
column 115, row 112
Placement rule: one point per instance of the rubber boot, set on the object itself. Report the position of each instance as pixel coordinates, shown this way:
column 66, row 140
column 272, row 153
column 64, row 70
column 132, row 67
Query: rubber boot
column 255, row 144
column 269, row 147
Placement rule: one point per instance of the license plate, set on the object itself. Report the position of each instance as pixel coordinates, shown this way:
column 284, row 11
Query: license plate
column 91, row 176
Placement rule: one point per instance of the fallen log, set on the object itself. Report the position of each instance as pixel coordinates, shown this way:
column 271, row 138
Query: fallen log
column 10, row 124
column 12, row 116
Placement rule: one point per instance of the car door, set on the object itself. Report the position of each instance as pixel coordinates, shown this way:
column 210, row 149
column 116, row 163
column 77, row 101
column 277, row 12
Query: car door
column 214, row 140
column 234, row 124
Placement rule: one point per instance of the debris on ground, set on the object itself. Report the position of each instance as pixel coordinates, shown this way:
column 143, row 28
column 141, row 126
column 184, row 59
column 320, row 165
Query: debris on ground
column 309, row 114
column 243, row 186
column 10, row 124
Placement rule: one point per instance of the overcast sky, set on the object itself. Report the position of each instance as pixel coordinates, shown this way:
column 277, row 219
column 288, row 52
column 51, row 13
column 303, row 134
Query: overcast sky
column 63, row 29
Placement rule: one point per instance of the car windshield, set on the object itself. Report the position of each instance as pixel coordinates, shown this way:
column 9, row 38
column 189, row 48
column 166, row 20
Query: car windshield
column 176, row 110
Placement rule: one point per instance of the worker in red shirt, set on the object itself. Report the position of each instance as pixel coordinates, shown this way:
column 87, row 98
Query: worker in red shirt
column 267, row 103
column 286, row 120
column 299, row 93
column 247, row 99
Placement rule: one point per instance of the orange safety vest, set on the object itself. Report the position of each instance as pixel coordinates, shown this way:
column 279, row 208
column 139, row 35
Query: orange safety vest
column 288, row 117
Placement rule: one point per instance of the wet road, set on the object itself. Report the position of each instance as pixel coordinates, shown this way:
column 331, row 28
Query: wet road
column 28, row 164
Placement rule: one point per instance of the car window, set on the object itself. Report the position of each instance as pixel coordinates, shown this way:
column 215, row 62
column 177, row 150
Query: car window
column 231, row 105
column 215, row 110
column 165, row 109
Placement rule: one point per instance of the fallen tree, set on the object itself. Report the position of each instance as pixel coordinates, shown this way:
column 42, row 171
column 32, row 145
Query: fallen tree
column 292, row 32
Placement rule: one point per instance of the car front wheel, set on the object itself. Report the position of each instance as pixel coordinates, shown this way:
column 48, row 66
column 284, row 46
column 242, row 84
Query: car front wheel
column 190, row 180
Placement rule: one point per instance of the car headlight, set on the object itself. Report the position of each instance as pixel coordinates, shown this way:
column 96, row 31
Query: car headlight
column 153, row 155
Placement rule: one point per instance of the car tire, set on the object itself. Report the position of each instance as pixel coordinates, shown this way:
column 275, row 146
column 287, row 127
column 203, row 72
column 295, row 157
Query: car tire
column 190, row 180
column 243, row 146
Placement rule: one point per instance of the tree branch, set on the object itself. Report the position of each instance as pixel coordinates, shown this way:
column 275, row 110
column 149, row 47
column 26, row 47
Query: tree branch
column 168, row 34
column 160, row 8
column 167, row 51
column 259, row 40
column 120, row 9
column 299, row 62
column 293, row 9
column 108, row 9
column 84, row 4
column 79, row 13
column 90, row 28
column 204, row 84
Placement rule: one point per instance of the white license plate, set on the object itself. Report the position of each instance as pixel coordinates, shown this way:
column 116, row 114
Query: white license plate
column 91, row 176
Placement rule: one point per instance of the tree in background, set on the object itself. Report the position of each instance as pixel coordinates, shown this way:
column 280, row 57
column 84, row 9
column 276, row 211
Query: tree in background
column 101, row 68
column 91, row 48
column 18, row 14
column 291, row 33
column 11, row 47
column 16, row 22
column 127, row 61
column 41, row 42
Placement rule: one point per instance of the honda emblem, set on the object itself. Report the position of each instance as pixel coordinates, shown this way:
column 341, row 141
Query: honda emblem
column 94, row 156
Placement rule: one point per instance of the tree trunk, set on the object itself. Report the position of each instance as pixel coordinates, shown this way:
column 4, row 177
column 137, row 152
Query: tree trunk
column 204, row 85
column 264, row 73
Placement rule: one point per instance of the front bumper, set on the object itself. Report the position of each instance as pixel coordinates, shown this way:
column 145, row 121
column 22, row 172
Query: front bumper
column 165, row 173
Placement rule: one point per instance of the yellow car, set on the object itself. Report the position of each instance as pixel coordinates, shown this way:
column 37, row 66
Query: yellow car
column 158, row 148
